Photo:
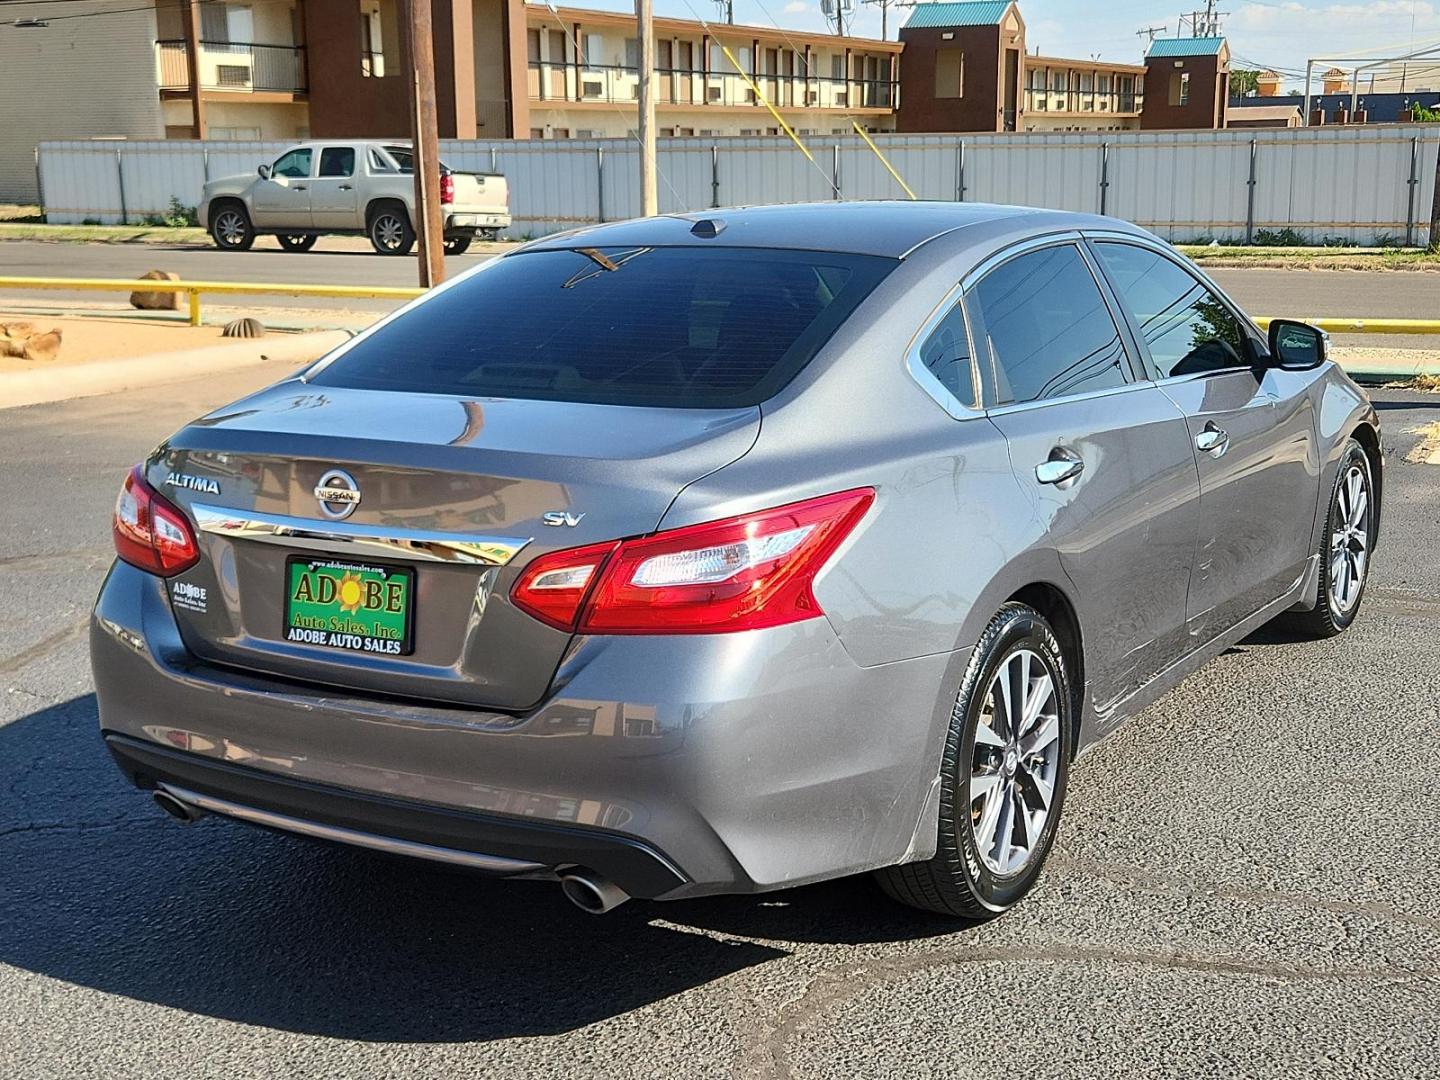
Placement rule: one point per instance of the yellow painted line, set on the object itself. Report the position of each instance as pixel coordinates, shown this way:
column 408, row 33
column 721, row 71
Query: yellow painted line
column 1361, row 326
column 193, row 289
column 883, row 159
column 253, row 288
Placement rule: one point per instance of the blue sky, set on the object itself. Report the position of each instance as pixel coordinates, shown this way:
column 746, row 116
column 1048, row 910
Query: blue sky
column 1280, row 33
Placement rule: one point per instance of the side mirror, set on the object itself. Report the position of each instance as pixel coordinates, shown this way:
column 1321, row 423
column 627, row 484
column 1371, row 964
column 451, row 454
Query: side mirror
column 1296, row 346
column 264, row 172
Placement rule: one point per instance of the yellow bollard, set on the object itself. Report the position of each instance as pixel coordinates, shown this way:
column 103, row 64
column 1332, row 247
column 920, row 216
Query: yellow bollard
column 194, row 295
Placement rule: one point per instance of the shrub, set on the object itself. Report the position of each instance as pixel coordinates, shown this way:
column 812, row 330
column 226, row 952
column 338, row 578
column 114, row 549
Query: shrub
column 1286, row 237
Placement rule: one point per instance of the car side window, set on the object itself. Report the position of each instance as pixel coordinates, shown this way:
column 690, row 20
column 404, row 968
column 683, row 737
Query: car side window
column 1047, row 329
column 337, row 161
column 378, row 164
column 295, row 164
column 1187, row 328
column 945, row 353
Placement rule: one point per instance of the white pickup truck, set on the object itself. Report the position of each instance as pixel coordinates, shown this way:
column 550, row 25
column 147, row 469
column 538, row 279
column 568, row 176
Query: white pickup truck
column 349, row 186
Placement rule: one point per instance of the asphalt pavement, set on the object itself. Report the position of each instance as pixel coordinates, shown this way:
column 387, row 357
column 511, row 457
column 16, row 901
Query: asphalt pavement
column 344, row 261
column 1244, row 884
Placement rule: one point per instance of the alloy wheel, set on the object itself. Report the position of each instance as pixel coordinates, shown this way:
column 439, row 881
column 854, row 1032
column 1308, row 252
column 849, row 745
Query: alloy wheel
column 1016, row 763
column 388, row 231
column 1349, row 539
column 230, row 227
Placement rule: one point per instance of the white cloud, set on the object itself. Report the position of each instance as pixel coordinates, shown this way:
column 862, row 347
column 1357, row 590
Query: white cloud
column 796, row 7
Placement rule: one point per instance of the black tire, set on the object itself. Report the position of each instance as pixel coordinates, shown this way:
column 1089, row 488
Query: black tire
column 297, row 241
column 1331, row 614
column 457, row 245
column 230, row 227
column 960, row 880
column 390, row 231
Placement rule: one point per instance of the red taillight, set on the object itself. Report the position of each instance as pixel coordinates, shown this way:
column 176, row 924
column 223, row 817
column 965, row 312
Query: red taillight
column 742, row 573
column 447, row 188
column 150, row 531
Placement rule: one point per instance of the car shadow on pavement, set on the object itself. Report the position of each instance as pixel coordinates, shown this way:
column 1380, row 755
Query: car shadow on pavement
column 229, row 921
column 100, row 890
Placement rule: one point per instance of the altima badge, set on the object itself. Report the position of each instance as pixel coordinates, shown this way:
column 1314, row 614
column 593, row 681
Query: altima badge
column 338, row 494
column 203, row 484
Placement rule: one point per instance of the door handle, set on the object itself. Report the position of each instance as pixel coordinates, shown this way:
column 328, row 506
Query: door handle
column 1213, row 440
column 344, row 187
column 1059, row 469
column 297, row 187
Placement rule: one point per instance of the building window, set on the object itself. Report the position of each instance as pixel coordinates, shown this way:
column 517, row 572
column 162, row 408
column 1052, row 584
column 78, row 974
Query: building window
column 372, row 40
column 537, row 133
column 1180, row 89
column 949, row 73
column 632, row 53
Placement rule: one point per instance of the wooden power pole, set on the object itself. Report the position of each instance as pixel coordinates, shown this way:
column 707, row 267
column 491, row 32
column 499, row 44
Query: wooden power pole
column 425, row 141
column 645, row 31
column 192, row 69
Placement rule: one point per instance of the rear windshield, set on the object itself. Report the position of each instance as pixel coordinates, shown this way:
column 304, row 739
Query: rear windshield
column 686, row 327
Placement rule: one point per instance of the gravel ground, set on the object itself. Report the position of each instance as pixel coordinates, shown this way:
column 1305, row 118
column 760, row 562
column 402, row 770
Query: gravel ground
column 1244, row 885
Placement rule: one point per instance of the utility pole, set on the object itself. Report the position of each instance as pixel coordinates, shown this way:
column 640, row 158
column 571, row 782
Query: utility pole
column 1152, row 32
column 425, row 140
column 645, row 31
column 192, row 69
column 727, row 8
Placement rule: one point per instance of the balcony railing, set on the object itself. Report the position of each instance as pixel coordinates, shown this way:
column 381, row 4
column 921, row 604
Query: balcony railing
column 618, row 84
column 243, row 67
column 1067, row 102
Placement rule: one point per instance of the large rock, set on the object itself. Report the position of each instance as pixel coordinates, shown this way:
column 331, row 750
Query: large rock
column 156, row 301
column 19, row 340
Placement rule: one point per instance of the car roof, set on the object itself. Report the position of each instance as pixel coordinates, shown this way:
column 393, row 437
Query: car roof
column 892, row 229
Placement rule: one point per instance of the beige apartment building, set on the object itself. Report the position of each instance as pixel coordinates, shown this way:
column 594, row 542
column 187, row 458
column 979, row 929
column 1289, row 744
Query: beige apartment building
column 582, row 78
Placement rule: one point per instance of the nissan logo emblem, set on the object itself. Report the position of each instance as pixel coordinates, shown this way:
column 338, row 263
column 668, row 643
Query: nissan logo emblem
column 338, row 494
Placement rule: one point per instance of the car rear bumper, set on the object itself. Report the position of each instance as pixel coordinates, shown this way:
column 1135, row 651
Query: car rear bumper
column 466, row 220
column 674, row 766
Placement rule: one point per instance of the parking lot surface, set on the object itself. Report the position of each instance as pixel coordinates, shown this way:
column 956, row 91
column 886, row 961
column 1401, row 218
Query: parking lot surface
column 1244, row 885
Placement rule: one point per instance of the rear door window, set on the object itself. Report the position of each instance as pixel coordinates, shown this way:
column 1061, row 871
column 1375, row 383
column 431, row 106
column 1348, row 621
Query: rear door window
column 1186, row 327
column 685, row 327
column 337, row 161
column 1047, row 329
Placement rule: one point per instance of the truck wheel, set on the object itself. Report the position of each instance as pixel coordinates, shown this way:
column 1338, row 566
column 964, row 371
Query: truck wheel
column 457, row 245
column 390, row 231
column 297, row 241
column 230, row 227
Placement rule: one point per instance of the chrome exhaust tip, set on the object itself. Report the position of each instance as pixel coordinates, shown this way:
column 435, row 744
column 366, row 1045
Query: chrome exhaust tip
column 181, row 811
column 591, row 892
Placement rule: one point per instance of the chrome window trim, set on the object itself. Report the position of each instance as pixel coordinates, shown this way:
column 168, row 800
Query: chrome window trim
column 1169, row 254
column 349, row 538
column 1040, row 403
column 926, row 379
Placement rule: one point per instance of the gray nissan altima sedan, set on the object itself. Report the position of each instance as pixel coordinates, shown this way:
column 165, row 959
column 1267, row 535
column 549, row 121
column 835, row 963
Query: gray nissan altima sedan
column 726, row 552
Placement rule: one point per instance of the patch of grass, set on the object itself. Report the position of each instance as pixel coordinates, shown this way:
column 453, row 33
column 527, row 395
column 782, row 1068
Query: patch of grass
column 94, row 233
column 178, row 216
column 1316, row 258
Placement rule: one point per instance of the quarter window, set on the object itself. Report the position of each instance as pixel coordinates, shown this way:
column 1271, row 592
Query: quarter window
column 1187, row 328
column 1047, row 329
column 946, row 355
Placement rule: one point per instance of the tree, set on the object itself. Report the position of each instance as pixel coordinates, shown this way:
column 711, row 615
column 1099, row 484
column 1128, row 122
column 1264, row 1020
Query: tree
column 1244, row 82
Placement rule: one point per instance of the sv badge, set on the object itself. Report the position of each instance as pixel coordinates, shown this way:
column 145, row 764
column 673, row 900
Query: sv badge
column 562, row 517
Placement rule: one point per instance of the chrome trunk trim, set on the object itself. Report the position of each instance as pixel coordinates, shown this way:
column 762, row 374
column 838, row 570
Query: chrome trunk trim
column 347, row 538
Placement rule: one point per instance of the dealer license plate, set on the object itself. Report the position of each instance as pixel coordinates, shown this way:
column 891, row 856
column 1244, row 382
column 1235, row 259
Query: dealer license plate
column 357, row 607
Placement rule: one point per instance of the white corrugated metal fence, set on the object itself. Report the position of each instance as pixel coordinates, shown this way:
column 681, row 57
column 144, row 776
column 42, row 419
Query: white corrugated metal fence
column 1364, row 184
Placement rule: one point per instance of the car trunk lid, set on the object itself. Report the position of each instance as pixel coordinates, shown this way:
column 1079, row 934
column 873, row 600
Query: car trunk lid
column 459, row 493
